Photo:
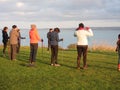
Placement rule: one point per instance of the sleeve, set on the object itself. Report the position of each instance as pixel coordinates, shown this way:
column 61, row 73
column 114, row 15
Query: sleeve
column 75, row 34
column 37, row 36
column 89, row 32
column 58, row 40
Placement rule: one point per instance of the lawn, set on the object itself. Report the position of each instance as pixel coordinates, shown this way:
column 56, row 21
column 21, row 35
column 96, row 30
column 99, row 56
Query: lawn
column 101, row 74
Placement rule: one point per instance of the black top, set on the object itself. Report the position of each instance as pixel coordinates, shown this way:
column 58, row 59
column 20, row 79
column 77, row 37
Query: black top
column 5, row 36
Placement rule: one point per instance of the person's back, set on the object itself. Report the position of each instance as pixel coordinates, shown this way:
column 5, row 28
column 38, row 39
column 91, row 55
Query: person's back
column 82, row 43
column 82, row 36
column 54, row 38
column 34, row 37
column 14, row 36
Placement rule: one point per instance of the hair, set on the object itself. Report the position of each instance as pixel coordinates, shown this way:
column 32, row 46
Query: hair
column 5, row 28
column 57, row 30
column 33, row 26
column 119, row 36
column 81, row 25
column 50, row 29
column 14, row 26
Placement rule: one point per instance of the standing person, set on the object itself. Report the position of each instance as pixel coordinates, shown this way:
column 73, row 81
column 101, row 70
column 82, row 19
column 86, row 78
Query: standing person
column 54, row 39
column 82, row 43
column 5, row 39
column 34, row 39
column 118, row 50
column 19, row 41
column 48, row 36
column 13, row 42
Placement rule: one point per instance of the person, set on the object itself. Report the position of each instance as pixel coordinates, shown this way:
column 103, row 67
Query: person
column 13, row 42
column 5, row 39
column 82, row 43
column 19, row 41
column 34, row 39
column 54, row 39
column 118, row 50
column 48, row 36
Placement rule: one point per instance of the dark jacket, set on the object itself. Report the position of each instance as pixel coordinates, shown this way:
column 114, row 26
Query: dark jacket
column 5, row 37
column 54, row 38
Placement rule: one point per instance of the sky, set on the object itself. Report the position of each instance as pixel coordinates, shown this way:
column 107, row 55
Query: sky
column 60, row 13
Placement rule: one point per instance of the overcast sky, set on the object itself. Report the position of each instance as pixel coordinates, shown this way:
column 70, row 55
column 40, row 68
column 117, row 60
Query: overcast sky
column 59, row 13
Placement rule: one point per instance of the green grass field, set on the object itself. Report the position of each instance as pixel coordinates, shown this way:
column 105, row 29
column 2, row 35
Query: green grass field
column 101, row 74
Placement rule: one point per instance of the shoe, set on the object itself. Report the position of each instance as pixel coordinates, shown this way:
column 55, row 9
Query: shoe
column 78, row 68
column 51, row 64
column 31, row 65
column 85, row 67
column 4, row 55
column 57, row 65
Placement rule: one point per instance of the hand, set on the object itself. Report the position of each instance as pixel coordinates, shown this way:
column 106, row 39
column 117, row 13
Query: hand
column 41, row 40
column 87, row 28
column 62, row 39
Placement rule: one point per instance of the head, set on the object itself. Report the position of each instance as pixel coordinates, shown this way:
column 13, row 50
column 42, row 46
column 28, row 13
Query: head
column 81, row 25
column 119, row 36
column 33, row 26
column 14, row 26
column 5, row 28
column 57, row 30
column 50, row 30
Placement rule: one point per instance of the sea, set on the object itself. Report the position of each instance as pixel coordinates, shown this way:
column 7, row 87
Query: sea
column 102, row 36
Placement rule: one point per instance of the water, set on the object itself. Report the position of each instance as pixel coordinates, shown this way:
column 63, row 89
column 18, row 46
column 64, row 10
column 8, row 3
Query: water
column 104, row 35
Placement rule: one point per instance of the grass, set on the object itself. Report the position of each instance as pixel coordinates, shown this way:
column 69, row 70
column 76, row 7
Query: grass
column 101, row 74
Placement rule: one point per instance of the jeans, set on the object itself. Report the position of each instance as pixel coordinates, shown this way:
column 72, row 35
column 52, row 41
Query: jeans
column 82, row 50
column 54, row 54
column 33, row 51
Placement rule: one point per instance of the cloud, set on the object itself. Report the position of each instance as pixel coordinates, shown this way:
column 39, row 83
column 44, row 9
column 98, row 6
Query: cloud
column 59, row 10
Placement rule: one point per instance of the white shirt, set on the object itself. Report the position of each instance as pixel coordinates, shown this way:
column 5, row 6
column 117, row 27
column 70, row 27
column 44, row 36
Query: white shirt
column 82, row 36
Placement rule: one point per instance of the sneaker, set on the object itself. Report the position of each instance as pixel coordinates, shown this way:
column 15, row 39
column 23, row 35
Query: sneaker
column 57, row 64
column 51, row 64
column 31, row 65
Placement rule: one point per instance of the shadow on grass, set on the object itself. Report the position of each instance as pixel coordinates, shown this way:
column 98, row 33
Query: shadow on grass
column 101, row 67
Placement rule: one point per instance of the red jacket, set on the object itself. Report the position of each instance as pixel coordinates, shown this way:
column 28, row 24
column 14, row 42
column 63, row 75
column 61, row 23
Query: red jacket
column 34, row 36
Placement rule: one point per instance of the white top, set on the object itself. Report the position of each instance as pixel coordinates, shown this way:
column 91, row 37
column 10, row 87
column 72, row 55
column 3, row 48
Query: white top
column 82, row 36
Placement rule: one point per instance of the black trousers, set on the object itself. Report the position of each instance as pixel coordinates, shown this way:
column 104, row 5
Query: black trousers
column 33, row 51
column 82, row 50
column 18, row 48
column 4, row 47
column 48, row 45
column 13, row 51
column 54, row 54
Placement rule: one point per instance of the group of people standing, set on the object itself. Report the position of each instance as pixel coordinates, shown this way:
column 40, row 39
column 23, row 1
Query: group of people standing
column 13, row 40
column 81, row 33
